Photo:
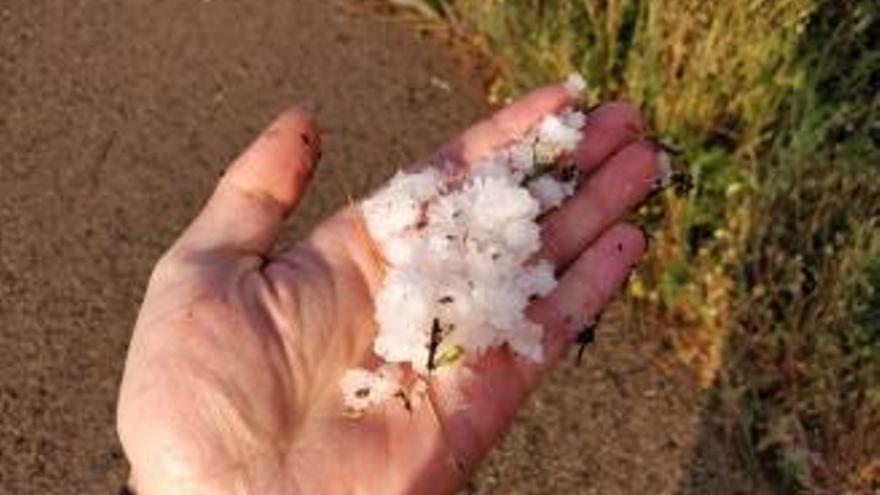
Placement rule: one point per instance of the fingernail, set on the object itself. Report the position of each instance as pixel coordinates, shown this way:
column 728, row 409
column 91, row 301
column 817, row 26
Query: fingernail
column 308, row 106
column 311, row 140
column 661, row 145
column 665, row 153
column 664, row 168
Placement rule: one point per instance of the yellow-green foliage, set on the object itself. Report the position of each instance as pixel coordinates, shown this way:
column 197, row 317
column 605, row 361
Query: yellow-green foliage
column 709, row 76
column 767, row 274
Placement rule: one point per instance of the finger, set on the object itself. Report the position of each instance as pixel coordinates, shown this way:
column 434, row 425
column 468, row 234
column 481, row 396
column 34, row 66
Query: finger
column 505, row 126
column 248, row 207
column 495, row 386
column 615, row 188
column 609, row 128
column 587, row 286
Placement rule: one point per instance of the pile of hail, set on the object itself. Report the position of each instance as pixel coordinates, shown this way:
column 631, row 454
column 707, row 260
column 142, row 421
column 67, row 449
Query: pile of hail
column 459, row 257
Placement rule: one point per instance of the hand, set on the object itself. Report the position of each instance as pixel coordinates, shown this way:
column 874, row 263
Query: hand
column 231, row 383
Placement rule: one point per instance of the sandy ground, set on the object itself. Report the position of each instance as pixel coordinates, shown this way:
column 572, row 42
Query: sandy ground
column 116, row 117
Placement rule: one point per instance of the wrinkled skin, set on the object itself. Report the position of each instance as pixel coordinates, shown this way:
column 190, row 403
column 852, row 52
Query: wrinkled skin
column 231, row 382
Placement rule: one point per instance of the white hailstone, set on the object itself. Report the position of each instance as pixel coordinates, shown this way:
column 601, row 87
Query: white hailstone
column 527, row 341
column 575, row 84
column 496, row 201
column 536, row 280
column 572, row 118
column 459, row 271
column 402, row 248
column 553, row 131
column 400, row 205
column 664, row 164
column 522, row 157
column 550, row 191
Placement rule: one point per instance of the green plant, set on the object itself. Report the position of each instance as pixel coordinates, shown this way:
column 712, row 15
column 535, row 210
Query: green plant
column 767, row 274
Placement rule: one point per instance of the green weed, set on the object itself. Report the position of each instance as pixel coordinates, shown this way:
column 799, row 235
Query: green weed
column 767, row 274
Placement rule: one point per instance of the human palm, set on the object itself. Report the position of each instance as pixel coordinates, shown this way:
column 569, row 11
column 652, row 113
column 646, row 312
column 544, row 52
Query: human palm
column 231, row 383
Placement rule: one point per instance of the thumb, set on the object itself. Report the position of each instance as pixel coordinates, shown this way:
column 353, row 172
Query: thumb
column 246, row 212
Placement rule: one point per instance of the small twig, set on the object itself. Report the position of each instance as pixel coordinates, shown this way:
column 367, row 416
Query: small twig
column 539, row 171
column 568, row 173
column 664, row 145
column 436, row 337
column 587, row 336
column 407, row 404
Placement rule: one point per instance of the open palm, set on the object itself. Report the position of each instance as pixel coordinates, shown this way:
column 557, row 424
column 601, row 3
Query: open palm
column 231, row 383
